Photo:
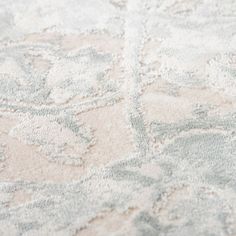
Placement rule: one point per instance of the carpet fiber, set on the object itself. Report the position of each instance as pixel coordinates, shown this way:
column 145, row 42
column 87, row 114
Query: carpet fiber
column 117, row 117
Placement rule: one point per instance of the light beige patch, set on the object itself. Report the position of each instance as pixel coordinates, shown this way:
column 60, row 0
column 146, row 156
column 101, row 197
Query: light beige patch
column 151, row 170
column 165, row 108
column 222, row 103
column 19, row 197
column 113, row 140
column 6, row 124
column 41, row 65
column 179, row 103
column 102, row 43
column 25, row 163
column 44, row 37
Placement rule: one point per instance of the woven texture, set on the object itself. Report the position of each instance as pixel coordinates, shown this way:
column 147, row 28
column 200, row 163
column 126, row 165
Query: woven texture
column 117, row 117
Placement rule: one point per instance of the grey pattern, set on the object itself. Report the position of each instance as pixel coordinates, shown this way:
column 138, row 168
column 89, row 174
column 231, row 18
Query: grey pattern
column 118, row 117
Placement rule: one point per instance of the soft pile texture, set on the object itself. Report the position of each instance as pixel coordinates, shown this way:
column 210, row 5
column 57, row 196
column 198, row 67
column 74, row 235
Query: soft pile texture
column 117, row 117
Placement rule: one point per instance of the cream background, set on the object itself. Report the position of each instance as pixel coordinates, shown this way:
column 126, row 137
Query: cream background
column 118, row 117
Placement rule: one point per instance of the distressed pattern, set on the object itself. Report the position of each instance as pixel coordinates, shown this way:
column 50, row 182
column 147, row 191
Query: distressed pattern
column 118, row 117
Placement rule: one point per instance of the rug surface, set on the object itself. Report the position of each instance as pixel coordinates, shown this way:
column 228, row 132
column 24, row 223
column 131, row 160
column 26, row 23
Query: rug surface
column 117, row 117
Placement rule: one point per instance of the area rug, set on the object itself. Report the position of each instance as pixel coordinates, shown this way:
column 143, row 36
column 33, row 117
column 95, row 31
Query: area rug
column 117, row 117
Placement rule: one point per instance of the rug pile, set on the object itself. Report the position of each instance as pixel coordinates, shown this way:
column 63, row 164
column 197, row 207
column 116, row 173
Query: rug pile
column 118, row 117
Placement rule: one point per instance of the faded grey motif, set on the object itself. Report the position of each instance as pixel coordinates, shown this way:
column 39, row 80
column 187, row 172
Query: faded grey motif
column 118, row 117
